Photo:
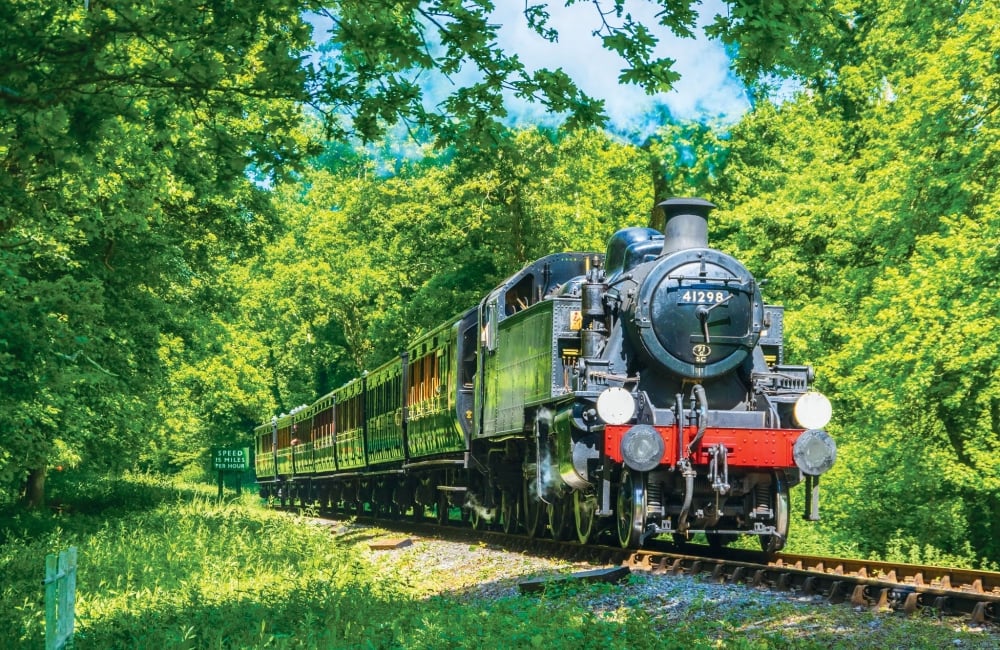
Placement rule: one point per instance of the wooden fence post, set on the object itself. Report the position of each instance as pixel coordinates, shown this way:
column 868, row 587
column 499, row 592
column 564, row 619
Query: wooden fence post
column 60, row 598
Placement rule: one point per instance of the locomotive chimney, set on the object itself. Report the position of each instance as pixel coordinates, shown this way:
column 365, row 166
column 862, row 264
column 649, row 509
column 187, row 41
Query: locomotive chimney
column 686, row 224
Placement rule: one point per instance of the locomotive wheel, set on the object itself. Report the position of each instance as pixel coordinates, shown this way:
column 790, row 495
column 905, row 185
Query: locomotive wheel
column 631, row 511
column 532, row 510
column 779, row 503
column 584, row 507
column 508, row 512
column 561, row 518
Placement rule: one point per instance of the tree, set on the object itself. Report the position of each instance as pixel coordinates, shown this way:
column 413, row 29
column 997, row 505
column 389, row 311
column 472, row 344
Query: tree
column 930, row 169
column 125, row 130
column 372, row 258
column 871, row 205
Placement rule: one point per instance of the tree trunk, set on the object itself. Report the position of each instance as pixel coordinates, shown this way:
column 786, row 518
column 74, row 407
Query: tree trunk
column 34, row 489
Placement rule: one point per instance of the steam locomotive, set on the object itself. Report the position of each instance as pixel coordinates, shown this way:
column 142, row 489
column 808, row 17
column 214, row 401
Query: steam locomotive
column 638, row 393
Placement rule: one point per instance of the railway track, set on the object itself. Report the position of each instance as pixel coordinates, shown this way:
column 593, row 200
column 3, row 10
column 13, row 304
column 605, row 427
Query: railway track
column 878, row 585
column 883, row 586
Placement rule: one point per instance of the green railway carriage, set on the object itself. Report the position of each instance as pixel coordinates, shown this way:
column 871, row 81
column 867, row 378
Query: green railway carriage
column 303, row 462
column 284, row 448
column 439, row 388
column 280, row 459
column 266, row 444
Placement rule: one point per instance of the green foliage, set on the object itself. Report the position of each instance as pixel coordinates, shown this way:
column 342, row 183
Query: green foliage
column 786, row 38
column 372, row 259
column 380, row 54
column 872, row 207
column 125, row 131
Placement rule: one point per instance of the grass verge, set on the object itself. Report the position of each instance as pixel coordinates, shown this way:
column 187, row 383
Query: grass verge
column 163, row 565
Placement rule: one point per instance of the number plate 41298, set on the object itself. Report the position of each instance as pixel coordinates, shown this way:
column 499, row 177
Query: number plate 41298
column 702, row 297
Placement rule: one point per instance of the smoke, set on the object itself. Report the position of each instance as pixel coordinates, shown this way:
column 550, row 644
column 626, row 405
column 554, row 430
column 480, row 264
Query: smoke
column 546, row 467
column 473, row 504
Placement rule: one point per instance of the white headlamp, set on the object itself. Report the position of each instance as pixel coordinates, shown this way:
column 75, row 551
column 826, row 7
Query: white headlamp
column 813, row 410
column 615, row 405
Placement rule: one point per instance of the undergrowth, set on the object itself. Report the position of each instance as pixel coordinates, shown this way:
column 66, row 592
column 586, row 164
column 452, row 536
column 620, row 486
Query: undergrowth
column 163, row 565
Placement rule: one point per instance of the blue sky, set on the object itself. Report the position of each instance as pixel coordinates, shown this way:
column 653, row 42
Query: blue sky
column 706, row 91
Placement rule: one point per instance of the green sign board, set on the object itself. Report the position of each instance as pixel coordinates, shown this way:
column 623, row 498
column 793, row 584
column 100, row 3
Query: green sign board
column 231, row 459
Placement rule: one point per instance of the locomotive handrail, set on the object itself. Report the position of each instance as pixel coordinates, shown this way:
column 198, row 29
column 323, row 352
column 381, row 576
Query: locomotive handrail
column 744, row 285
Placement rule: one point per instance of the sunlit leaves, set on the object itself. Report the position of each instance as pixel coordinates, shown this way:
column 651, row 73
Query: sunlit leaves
column 380, row 56
column 876, row 199
column 785, row 37
column 125, row 132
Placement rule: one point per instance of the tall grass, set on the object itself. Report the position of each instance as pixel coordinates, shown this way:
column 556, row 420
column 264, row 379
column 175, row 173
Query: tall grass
column 168, row 567
column 163, row 565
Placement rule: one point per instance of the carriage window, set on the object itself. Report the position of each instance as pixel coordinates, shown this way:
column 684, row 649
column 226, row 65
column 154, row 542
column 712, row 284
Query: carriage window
column 348, row 414
column 430, row 376
column 442, row 368
column 424, row 379
column 326, row 421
